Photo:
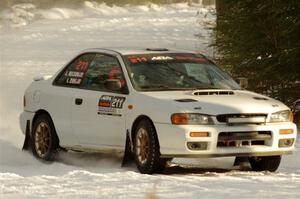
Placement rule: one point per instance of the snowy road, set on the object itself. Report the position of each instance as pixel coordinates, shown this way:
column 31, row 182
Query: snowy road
column 41, row 41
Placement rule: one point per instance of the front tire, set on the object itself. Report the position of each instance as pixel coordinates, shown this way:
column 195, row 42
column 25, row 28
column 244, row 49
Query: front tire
column 146, row 149
column 265, row 163
column 44, row 139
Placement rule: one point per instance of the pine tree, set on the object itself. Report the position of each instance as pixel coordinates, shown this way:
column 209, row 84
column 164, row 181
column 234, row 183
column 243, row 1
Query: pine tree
column 260, row 40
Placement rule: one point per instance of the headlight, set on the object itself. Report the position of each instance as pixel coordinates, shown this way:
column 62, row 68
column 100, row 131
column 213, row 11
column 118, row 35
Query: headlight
column 282, row 116
column 191, row 118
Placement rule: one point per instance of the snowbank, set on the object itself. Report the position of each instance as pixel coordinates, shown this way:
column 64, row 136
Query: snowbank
column 25, row 13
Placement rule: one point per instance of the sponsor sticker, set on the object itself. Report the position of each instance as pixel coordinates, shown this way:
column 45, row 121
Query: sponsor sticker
column 134, row 59
column 161, row 58
column 191, row 58
column 110, row 105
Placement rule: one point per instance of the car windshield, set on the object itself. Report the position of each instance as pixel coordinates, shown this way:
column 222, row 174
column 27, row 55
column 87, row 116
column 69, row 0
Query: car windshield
column 154, row 72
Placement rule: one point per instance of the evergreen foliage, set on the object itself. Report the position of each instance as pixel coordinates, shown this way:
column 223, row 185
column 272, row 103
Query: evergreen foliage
column 260, row 40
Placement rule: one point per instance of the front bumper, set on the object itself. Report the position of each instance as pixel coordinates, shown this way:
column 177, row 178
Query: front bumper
column 173, row 140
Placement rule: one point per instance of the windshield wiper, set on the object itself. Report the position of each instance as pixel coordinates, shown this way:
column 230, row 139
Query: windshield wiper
column 205, row 87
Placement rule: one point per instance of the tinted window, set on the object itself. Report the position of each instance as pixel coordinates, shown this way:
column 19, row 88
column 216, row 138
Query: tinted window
column 74, row 73
column 102, row 69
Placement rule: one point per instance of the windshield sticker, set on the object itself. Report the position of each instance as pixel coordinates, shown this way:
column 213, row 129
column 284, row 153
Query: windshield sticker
column 135, row 60
column 110, row 105
column 191, row 58
column 161, row 58
column 157, row 58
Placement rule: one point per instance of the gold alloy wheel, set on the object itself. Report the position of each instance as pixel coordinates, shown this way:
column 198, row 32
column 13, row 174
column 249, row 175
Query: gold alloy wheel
column 142, row 145
column 42, row 139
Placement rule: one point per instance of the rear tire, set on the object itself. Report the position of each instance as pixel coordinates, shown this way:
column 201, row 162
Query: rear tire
column 146, row 149
column 265, row 163
column 44, row 140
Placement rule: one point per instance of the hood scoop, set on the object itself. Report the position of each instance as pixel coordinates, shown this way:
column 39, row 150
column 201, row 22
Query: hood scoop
column 186, row 100
column 213, row 93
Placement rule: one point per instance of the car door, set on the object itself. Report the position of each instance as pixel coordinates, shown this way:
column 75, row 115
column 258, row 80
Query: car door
column 62, row 93
column 98, row 116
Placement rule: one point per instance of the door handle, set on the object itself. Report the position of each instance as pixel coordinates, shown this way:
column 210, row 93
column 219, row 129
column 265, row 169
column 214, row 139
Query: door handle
column 78, row 101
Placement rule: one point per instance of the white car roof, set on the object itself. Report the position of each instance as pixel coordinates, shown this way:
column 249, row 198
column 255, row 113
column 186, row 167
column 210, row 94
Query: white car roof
column 132, row 50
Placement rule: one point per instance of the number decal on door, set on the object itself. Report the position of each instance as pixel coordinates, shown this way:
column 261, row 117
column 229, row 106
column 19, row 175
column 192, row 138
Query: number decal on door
column 110, row 105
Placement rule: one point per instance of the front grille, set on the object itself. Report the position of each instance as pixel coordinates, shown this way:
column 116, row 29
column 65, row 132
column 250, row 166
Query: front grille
column 246, row 138
column 223, row 118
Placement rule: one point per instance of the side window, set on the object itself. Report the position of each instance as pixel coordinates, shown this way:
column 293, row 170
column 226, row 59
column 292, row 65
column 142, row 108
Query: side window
column 74, row 73
column 103, row 70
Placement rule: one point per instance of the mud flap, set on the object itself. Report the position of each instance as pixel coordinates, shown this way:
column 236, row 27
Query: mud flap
column 128, row 155
column 27, row 141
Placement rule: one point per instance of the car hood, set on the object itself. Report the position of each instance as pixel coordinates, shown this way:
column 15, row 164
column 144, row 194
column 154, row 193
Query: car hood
column 216, row 102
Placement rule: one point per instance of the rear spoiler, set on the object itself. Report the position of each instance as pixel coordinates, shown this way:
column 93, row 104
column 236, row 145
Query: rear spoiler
column 41, row 77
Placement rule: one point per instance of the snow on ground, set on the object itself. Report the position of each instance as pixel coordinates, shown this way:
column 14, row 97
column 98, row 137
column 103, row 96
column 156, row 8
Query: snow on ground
column 35, row 41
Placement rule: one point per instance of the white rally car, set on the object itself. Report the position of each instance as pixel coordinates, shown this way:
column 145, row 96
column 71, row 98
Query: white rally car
column 153, row 104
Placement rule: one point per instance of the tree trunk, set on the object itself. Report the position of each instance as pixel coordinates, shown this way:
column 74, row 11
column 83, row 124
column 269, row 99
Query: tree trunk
column 220, row 6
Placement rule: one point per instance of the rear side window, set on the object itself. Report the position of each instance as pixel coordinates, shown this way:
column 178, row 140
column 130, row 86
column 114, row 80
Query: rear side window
column 75, row 72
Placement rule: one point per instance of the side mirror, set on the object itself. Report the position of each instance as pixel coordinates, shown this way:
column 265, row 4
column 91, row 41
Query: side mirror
column 243, row 82
column 113, row 84
column 296, row 105
column 41, row 77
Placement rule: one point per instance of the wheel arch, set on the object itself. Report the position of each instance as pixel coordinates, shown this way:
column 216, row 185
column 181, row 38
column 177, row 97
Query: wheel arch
column 39, row 113
column 135, row 124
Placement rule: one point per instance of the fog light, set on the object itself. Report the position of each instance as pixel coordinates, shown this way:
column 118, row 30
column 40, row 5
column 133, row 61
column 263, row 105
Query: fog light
column 286, row 131
column 197, row 145
column 199, row 134
column 286, row 142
